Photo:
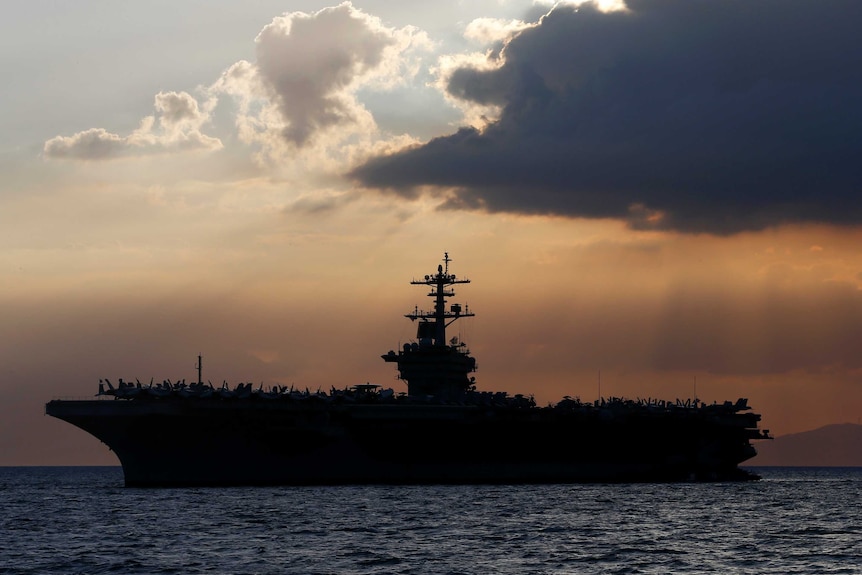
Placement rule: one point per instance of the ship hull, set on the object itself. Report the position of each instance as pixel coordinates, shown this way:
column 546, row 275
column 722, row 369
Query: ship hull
column 198, row 442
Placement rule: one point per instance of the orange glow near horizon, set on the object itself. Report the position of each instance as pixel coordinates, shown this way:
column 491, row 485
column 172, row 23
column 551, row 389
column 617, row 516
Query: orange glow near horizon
column 765, row 316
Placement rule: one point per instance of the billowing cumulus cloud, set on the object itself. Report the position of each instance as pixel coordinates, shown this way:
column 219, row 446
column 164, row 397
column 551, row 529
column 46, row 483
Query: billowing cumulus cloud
column 179, row 111
column 298, row 95
column 92, row 144
column 301, row 90
column 715, row 117
column 305, row 75
column 176, row 127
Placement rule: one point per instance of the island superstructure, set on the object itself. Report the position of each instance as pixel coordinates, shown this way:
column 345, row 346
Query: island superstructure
column 441, row 430
column 433, row 366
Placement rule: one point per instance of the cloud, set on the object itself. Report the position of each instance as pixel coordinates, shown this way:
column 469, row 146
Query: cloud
column 179, row 111
column 296, row 101
column 306, row 74
column 179, row 121
column 492, row 30
column 300, row 93
column 603, row 5
column 714, row 117
column 92, row 144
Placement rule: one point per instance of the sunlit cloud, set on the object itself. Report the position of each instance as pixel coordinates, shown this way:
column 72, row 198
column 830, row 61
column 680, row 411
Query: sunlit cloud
column 296, row 103
column 601, row 5
column 299, row 96
column 175, row 127
column 307, row 64
column 474, row 112
column 492, row 34
column 488, row 31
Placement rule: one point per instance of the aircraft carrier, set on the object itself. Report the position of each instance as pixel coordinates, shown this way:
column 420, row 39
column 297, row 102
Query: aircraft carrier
column 441, row 430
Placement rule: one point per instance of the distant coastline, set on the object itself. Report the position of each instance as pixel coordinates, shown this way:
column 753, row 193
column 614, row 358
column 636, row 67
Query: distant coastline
column 836, row 445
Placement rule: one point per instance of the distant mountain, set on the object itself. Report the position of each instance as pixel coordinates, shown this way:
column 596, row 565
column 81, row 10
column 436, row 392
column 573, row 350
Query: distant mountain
column 838, row 445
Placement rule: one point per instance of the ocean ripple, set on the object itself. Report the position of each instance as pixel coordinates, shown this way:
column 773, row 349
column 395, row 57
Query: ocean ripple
column 83, row 521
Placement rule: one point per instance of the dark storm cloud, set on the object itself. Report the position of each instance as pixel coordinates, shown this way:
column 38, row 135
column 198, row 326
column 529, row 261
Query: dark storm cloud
column 709, row 116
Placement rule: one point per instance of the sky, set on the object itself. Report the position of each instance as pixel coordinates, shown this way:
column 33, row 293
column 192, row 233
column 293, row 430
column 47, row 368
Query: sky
column 657, row 198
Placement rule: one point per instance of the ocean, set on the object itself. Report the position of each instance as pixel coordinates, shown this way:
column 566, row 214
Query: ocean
column 81, row 520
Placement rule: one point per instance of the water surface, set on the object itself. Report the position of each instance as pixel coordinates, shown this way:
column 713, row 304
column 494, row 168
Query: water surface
column 82, row 520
